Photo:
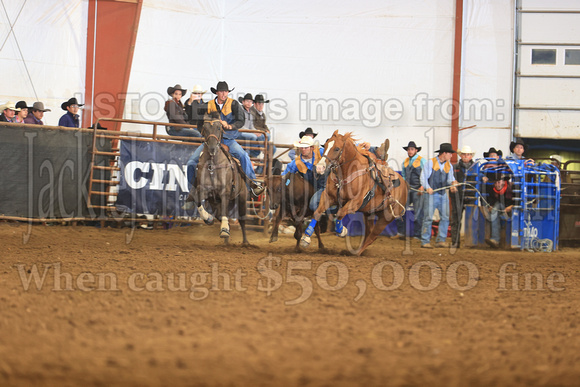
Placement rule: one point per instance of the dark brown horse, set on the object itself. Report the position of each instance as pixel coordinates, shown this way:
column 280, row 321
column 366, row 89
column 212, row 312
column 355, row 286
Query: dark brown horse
column 358, row 184
column 289, row 196
column 219, row 182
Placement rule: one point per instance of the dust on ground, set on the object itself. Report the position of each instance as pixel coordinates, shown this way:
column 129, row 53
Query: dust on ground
column 80, row 305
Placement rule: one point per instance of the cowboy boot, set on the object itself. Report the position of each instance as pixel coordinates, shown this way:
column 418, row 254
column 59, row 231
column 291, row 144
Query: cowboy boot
column 383, row 149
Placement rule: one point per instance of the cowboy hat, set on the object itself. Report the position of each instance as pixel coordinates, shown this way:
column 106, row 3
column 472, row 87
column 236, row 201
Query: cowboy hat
column 39, row 106
column 304, row 142
column 557, row 158
column 197, row 89
column 22, row 105
column 171, row 90
column 9, row 105
column 412, row 145
column 72, row 101
column 466, row 149
column 221, row 86
column 245, row 97
column 520, row 142
column 445, row 147
column 307, row 131
column 260, row 98
column 492, row 150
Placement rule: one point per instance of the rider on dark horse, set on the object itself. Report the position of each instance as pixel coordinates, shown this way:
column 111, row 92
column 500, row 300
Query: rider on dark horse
column 232, row 118
column 305, row 165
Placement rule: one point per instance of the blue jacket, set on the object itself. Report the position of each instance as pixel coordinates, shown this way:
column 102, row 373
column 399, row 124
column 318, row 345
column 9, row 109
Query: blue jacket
column 70, row 120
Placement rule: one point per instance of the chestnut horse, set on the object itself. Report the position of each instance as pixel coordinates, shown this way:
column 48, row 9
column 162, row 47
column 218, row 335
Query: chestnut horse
column 220, row 181
column 357, row 183
column 289, row 196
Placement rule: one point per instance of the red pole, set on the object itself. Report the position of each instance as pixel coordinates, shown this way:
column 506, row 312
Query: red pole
column 111, row 36
column 457, row 76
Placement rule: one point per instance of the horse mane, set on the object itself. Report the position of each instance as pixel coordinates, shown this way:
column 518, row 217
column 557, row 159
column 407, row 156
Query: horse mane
column 349, row 137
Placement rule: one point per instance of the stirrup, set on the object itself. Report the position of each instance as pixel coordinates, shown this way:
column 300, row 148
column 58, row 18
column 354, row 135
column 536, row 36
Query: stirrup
column 257, row 189
column 188, row 206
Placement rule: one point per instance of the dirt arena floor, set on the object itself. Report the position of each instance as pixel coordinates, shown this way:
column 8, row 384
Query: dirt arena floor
column 81, row 306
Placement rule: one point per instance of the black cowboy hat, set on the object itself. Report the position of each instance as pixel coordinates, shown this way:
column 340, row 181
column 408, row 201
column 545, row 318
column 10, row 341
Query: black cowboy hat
column 445, row 147
column 500, row 176
column 221, row 86
column 171, row 90
column 97, row 127
column 22, row 105
column 260, row 98
column 72, row 101
column 307, row 131
column 247, row 96
column 520, row 142
column 412, row 145
column 492, row 150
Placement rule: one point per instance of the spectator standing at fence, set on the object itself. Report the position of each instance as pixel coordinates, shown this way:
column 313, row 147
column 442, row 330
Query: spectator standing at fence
column 411, row 172
column 9, row 111
column 490, row 168
column 23, row 113
column 231, row 117
column 71, row 118
column 195, row 108
column 259, row 120
column 308, row 132
column 36, row 114
column 176, row 113
column 458, row 198
column 517, row 149
column 436, row 177
column 247, row 101
column 499, row 204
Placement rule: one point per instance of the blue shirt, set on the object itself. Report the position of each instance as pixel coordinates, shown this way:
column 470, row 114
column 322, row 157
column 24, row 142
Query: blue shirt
column 292, row 168
column 428, row 169
column 70, row 120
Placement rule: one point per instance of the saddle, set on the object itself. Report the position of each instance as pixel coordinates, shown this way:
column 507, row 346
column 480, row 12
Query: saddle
column 383, row 175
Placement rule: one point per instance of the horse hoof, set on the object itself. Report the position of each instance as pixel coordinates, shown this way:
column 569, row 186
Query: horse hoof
column 273, row 239
column 343, row 234
column 224, row 233
column 209, row 221
column 305, row 241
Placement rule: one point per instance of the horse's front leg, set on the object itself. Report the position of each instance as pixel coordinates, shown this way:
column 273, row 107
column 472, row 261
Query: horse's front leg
column 225, row 226
column 200, row 197
column 277, row 220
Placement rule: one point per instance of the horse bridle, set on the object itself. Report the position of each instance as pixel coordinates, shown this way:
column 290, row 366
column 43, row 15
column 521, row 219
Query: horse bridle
column 206, row 139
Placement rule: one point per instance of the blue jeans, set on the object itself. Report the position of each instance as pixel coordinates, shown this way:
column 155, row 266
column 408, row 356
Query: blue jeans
column 315, row 199
column 245, row 136
column 184, row 132
column 496, row 215
column 402, row 224
column 255, row 137
column 430, row 203
column 235, row 150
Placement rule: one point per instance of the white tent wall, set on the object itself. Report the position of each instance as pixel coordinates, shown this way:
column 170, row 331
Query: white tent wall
column 340, row 65
column 487, row 75
column 43, row 52
column 377, row 68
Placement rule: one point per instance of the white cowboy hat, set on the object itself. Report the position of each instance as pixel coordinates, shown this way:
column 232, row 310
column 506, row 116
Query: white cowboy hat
column 197, row 89
column 466, row 149
column 304, row 142
column 9, row 105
